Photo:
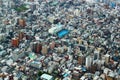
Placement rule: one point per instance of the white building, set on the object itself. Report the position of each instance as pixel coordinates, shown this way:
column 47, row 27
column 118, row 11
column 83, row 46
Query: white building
column 55, row 29
column 46, row 77
column 89, row 61
column 36, row 64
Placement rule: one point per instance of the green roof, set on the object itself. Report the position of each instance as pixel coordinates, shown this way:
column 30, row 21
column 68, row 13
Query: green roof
column 21, row 8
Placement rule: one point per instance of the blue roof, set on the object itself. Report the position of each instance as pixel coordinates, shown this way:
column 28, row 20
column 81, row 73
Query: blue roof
column 62, row 33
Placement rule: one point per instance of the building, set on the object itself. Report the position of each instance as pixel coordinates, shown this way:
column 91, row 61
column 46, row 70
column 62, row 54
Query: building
column 46, row 77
